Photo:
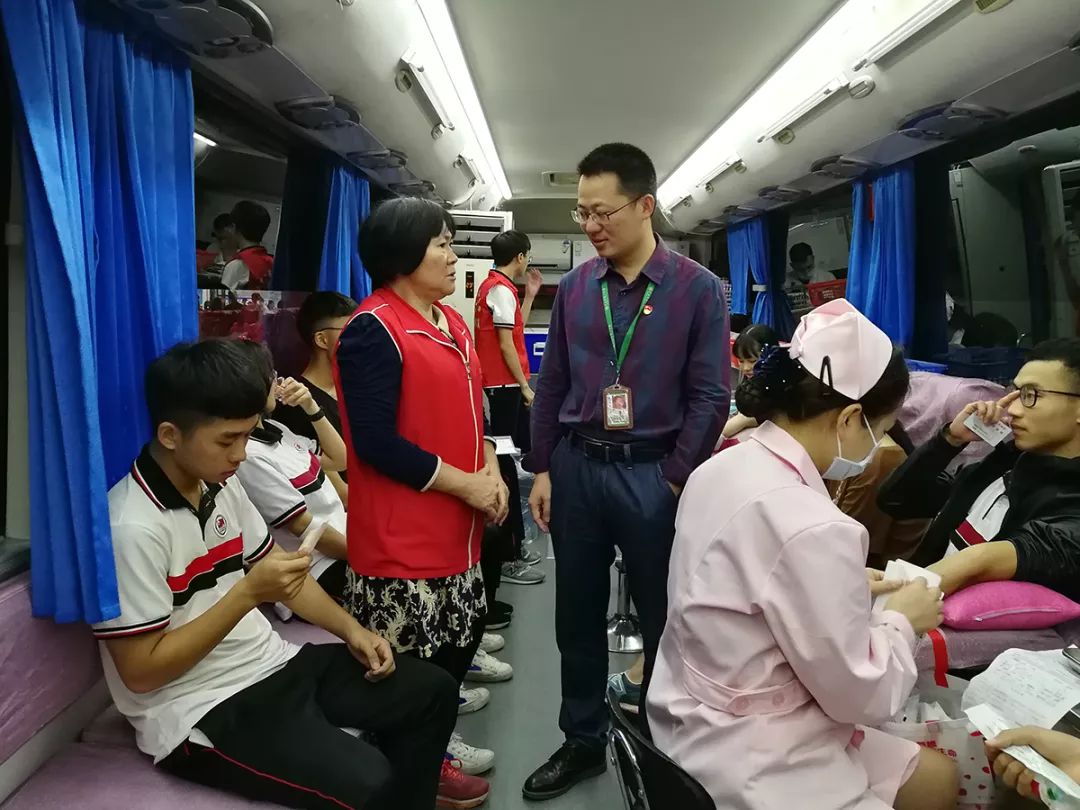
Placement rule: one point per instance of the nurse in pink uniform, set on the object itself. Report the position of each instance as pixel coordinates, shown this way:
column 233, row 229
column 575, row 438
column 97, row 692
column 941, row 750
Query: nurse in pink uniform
column 772, row 669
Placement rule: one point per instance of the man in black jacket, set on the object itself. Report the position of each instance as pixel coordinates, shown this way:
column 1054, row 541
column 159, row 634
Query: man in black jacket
column 1016, row 514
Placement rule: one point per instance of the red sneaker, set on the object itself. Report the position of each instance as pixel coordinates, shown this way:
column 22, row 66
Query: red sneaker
column 457, row 790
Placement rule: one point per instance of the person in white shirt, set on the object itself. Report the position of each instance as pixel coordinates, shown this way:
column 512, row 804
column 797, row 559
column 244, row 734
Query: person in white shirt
column 215, row 695
column 285, row 474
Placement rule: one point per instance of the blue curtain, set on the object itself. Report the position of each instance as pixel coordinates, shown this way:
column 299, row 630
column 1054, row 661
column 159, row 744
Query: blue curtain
column 104, row 132
column 739, row 259
column 749, row 257
column 348, row 206
column 881, row 266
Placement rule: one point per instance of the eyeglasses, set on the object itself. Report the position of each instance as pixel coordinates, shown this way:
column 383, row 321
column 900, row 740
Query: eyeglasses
column 1029, row 394
column 582, row 217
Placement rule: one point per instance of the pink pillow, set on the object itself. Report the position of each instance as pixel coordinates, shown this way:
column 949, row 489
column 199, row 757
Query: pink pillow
column 1007, row 606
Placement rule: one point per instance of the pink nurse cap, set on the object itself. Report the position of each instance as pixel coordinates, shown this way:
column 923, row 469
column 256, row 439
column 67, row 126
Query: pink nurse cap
column 858, row 351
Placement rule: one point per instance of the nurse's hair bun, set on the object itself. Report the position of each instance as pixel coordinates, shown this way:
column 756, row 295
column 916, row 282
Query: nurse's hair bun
column 773, row 387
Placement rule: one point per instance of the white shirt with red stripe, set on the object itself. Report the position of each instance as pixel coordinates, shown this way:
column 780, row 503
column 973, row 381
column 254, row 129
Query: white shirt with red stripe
column 284, row 479
column 172, row 565
column 985, row 516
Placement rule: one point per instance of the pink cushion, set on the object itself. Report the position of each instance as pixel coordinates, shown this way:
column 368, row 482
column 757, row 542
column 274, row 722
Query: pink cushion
column 1008, row 606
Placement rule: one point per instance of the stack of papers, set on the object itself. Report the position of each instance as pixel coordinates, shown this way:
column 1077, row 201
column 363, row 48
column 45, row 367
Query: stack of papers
column 1023, row 688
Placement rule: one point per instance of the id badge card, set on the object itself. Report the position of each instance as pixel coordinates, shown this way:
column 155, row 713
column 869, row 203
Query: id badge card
column 618, row 403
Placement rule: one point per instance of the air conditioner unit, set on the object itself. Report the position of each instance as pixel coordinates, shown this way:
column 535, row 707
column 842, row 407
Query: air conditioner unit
column 551, row 252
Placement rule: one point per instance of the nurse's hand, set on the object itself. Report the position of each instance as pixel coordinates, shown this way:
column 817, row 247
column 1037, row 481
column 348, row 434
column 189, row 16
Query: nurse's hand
column 880, row 585
column 920, row 603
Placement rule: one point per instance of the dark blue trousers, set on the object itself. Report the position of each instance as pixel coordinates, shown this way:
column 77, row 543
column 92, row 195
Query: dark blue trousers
column 596, row 506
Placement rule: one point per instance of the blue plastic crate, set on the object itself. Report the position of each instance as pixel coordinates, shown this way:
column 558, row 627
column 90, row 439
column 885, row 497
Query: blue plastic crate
column 929, row 368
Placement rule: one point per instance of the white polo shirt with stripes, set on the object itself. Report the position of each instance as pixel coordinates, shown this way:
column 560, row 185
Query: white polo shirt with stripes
column 173, row 563
column 284, row 479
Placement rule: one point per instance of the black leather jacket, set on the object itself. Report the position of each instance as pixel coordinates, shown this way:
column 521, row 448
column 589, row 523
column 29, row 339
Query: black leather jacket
column 1042, row 523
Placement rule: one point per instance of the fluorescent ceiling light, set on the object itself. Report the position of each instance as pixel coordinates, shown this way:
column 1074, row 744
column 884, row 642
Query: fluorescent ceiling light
column 804, row 107
column 423, row 83
column 444, row 36
column 203, row 139
column 925, row 15
column 816, row 64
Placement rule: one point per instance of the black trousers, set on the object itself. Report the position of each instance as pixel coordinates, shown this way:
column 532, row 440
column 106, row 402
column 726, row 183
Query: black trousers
column 509, row 417
column 595, row 507
column 280, row 740
column 457, row 660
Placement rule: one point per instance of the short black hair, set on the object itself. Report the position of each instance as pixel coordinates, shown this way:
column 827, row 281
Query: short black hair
column 221, row 222
column 635, row 170
column 251, row 220
column 195, row 383
column 1064, row 350
column 506, row 246
column 752, row 341
column 782, row 386
column 317, row 309
column 395, row 237
column 800, row 252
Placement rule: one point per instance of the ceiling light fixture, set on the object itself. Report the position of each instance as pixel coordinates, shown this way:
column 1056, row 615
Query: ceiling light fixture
column 804, row 107
column 925, row 15
column 203, row 139
column 419, row 79
column 440, row 26
column 730, row 162
column 817, row 64
column 469, row 168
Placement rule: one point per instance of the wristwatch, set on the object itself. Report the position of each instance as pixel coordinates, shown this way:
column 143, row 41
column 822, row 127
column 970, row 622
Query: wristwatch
column 319, row 414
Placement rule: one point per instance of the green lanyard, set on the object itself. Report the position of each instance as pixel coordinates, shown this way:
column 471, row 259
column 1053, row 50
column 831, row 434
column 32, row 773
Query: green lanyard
column 621, row 352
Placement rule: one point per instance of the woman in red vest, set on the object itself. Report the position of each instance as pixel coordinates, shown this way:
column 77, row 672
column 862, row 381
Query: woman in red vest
column 422, row 479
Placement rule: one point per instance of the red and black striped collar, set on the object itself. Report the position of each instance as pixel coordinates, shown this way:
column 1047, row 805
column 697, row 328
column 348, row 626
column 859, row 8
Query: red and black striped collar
column 162, row 492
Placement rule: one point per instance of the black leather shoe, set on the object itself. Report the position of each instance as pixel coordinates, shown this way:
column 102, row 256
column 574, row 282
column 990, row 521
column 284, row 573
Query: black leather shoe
column 572, row 763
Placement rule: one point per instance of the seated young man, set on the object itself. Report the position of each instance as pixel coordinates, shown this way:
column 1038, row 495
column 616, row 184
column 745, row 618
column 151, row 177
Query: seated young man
column 285, row 475
column 1015, row 514
column 320, row 320
column 215, row 695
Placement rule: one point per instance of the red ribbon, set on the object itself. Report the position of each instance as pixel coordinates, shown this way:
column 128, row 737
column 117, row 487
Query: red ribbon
column 941, row 658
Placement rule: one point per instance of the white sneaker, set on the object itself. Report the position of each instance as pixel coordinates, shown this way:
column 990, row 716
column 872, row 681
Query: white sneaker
column 474, row 761
column 488, row 669
column 472, row 700
column 492, row 642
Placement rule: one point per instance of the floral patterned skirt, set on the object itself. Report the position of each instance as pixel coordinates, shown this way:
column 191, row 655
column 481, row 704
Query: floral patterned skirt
column 419, row 615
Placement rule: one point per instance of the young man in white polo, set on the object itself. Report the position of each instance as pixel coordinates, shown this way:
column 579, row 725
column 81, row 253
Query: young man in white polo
column 215, row 695
column 501, row 316
column 285, row 475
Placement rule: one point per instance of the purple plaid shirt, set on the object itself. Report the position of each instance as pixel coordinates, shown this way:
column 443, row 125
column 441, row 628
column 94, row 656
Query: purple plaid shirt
column 678, row 367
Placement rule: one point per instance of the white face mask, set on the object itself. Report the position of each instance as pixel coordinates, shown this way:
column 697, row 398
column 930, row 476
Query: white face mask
column 842, row 468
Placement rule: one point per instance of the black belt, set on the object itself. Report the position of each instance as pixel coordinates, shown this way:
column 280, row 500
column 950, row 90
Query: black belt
column 620, row 452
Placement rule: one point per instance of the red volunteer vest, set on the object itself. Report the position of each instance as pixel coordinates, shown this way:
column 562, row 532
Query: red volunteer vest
column 259, row 264
column 393, row 530
column 495, row 372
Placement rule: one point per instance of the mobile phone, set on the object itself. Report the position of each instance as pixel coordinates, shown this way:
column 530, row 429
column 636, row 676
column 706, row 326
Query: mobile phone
column 312, row 536
column 1072, row 654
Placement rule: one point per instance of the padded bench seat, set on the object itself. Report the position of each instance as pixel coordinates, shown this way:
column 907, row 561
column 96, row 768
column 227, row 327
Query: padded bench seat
column 977, row 648
column 106, row 771
column 91, row 777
